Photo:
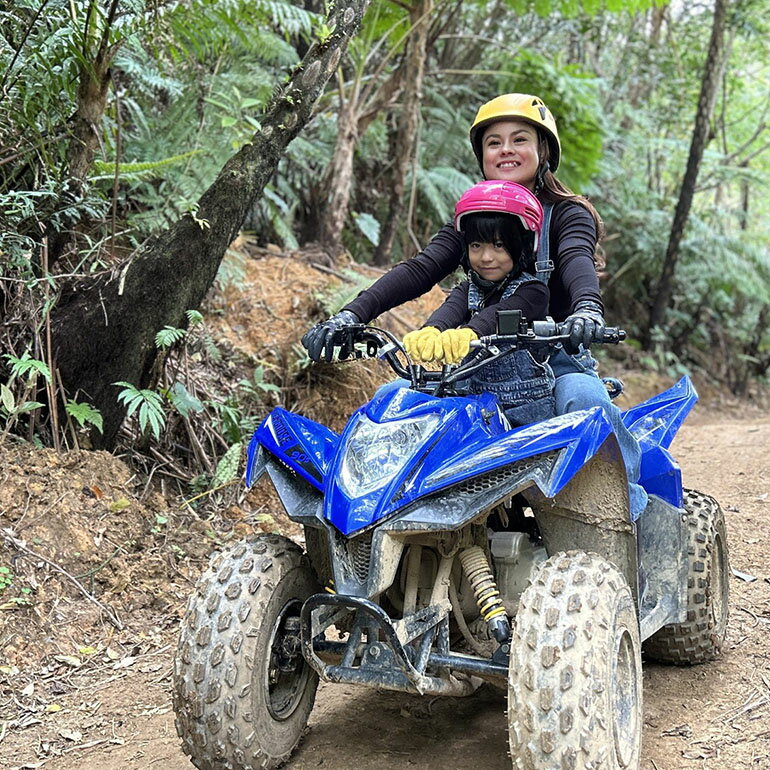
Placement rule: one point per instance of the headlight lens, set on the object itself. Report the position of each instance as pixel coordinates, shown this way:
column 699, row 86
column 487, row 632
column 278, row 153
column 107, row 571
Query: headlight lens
column 376, row 452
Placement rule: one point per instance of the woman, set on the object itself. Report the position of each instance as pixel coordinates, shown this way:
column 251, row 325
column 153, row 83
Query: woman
column 514, row 138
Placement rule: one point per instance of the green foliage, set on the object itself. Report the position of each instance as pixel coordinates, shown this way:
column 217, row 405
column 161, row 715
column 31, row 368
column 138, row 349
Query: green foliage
column 369, row 227
column 26, row 365
column 129, row 172
column 333, row 300
column 9, row 580
column 10, row 407
column 183, row 401
column 194, row 317
column 257, row 385
column 6, row 579
column 168, row 336
column 441, row 186
column 149, row 405
column 573, row 8
column 85, row 414
column 227, row 467
column 26, row 370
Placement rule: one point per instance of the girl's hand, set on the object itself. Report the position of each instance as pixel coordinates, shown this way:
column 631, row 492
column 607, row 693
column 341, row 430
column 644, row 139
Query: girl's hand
column 456, row 344
column 424, row 344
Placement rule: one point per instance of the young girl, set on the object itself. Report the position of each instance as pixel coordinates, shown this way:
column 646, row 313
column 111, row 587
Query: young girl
column 499, row 223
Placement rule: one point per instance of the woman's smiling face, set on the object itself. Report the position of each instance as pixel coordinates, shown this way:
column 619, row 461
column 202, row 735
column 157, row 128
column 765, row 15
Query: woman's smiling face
column 510, row 152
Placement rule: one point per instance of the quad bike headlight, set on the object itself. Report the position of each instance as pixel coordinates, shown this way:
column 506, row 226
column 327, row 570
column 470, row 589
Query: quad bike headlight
column 376, row 452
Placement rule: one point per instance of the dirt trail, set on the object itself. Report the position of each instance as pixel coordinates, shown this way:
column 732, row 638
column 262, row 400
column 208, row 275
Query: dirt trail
column 708, row 717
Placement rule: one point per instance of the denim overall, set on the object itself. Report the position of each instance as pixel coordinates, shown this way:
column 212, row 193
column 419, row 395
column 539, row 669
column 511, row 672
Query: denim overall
column 578, row 385
column 523, row 385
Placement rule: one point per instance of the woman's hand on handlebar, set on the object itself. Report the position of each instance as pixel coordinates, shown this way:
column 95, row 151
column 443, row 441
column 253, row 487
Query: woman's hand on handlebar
column 320, row 340
column 584, row 326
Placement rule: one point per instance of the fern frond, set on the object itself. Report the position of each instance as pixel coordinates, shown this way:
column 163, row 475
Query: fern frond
column 135, row 171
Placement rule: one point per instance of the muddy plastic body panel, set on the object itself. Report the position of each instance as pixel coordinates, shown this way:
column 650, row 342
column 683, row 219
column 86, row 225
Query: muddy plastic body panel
column 470, row 439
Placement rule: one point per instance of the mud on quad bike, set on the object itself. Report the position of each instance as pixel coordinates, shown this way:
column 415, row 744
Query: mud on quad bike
column 446, row 548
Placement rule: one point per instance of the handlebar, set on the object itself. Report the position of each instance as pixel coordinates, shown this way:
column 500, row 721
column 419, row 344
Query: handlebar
column 382, row 344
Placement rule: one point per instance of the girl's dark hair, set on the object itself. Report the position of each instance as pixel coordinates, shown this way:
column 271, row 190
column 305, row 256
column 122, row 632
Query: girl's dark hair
column 491, row 227
column 553, row 191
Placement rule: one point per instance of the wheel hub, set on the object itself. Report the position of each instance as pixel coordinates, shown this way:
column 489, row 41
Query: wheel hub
column 625, row 700
column 287, row 672
column 719, row 604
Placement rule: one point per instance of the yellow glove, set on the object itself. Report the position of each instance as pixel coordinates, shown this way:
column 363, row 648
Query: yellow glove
column 424, row 344
column 456, row 343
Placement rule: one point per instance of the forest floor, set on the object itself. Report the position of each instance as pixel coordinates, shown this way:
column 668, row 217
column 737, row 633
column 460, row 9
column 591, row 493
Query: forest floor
column 101, row 563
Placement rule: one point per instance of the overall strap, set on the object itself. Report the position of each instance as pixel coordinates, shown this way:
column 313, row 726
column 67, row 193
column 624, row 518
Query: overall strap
column 476, row 298
column 543, row 263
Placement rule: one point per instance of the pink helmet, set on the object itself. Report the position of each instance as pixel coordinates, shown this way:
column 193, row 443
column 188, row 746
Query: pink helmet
column 504, row 198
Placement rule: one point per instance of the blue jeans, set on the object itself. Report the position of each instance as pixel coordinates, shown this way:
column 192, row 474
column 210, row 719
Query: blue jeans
column 578, row 386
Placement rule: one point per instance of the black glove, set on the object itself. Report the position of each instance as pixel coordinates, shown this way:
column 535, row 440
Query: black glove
column 319, row 340
column 584, row 326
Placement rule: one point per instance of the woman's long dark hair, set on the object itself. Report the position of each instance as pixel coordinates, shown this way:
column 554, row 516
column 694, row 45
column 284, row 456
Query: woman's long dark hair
column 553, row 191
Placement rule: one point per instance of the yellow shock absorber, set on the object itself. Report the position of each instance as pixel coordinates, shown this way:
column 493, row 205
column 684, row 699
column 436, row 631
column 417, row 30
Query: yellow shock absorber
column 482, row 582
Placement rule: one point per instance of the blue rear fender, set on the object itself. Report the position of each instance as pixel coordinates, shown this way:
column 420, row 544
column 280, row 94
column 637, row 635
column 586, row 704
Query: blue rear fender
column 654, row 423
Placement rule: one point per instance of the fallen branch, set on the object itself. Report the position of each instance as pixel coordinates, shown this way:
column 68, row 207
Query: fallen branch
column 111, row 616
column 330, row 271
column 91, row 744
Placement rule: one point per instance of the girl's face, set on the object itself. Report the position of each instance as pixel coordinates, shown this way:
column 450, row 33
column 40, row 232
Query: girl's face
column 490, row 260
column 509, row 152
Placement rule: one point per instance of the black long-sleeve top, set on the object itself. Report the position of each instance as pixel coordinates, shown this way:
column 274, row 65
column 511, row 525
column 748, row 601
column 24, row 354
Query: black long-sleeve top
column 531, row 298
column 572, row 242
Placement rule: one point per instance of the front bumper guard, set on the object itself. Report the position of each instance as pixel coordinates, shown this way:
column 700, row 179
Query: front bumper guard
column 393, row 655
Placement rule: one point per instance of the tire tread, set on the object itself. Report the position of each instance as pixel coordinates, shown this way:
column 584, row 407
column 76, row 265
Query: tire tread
column 696, row 640
column 212, row 691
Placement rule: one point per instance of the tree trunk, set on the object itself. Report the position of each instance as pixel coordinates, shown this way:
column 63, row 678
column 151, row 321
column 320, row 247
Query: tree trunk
column 104, row 328
column 414, row 73
column 339, row 174
column 745, row 189
column 93, row 86
column 358, row 108
column 711, row 74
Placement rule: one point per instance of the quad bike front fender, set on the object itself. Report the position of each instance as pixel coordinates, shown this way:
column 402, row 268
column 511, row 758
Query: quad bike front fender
column 303, row 445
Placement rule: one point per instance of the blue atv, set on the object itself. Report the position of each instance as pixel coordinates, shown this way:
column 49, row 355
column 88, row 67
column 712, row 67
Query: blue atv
column 446, row 548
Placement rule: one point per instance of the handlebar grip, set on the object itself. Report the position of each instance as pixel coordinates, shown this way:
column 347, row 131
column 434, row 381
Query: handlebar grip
column 613, row 335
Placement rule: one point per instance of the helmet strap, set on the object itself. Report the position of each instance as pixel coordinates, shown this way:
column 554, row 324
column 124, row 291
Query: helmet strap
column 540, row 178
column 488, row 286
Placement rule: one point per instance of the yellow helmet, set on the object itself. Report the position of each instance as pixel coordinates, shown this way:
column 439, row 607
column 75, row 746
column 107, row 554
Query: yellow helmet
column 517, row 107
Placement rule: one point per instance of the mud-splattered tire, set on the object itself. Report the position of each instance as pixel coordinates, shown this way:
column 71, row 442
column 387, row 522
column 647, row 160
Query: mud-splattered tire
column 575, row 672
column 236, row 709
column 701, row 637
